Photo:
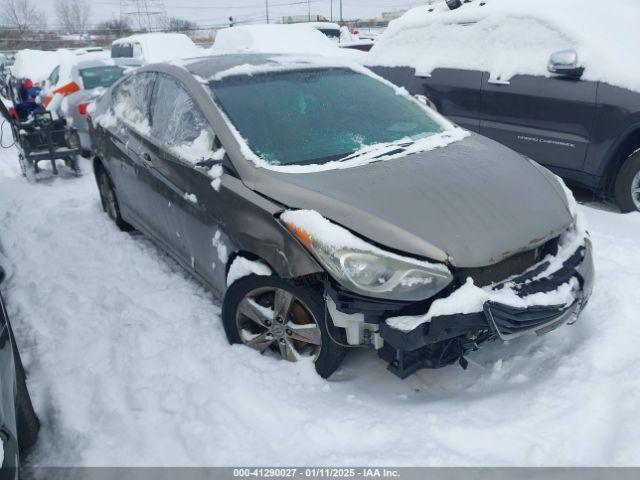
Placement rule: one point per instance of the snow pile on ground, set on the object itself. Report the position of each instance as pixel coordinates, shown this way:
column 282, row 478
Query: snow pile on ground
column 161, row 47
column 287, row 39
column 490, row 38
column 128, row 363
column 34, row 64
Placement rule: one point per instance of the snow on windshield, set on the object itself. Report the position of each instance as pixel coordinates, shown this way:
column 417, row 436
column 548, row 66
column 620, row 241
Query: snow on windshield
column 509, row 37
column 323, row 111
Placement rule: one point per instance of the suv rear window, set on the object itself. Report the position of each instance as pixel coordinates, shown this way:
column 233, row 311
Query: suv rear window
column 100, row 76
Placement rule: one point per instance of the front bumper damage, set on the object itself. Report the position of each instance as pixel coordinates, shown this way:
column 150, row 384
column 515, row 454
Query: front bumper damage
column 445, row 339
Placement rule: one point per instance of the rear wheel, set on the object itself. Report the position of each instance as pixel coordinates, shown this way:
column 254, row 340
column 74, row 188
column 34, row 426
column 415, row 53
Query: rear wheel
column 627, row 187
column 275, row 316
column 109, row 200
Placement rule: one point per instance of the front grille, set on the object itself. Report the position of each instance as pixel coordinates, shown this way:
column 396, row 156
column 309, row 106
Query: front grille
column 514, row 265
column 510, row 322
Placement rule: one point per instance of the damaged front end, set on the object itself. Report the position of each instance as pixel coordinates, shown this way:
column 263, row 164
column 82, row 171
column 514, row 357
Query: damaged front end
column 533, row 292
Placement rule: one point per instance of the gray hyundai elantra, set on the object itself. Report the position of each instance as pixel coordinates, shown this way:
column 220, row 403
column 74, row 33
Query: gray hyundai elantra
column 329, row 209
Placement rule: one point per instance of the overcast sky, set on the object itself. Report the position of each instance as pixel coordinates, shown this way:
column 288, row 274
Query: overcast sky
column 216, row 12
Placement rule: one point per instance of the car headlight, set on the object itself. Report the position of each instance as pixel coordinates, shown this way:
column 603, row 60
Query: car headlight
column 364, row 268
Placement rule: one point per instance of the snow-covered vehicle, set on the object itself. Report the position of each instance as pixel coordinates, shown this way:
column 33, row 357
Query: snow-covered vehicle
column 296, row 38
column 320, row 231
column 155, row 47
column 18, row 422
column 552, row 80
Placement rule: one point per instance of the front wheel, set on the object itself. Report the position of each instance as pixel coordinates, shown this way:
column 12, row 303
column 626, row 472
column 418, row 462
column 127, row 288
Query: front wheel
column 275, row 316
column 627, row 187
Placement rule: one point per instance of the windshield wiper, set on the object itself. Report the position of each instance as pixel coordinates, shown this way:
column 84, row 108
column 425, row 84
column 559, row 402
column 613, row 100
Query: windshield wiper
column 380, row 150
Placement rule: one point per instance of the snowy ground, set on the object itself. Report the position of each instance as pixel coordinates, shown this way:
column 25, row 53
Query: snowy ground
column 128, row 363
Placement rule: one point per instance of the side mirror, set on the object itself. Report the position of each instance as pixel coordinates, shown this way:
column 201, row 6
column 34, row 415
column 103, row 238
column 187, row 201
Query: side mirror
column 565, row 63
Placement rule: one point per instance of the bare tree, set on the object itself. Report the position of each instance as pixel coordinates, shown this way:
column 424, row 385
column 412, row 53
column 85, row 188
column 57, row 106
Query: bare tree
column 174, row 24
column 21, row 15
column 117, row 27
column 73, row 15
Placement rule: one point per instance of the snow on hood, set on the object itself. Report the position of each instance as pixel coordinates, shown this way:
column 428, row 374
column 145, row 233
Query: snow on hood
column 473, row 203
column 285, row 39
column 509, row 37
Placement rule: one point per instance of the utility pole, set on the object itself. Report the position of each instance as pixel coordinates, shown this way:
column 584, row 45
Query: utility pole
column 341, row 20
column 309, row 9
column 266, row 6
column 331, row 16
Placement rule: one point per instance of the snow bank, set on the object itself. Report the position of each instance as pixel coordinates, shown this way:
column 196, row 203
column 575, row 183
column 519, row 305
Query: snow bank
column 289, row 39
column 470, row 298
column 241, row 267
column 34, row 64
column 509, row 37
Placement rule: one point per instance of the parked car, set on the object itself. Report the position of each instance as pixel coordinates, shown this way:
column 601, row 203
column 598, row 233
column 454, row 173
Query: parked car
column 558, row 94
column 320, row 231
column 18, row 422
column 77, row 84
column 297, row 38
column 155, row 47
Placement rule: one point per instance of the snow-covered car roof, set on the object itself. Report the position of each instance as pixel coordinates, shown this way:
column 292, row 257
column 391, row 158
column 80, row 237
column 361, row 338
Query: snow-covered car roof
column 509, row 37
column 38, row 64
column 160, row 47
column 298, row 38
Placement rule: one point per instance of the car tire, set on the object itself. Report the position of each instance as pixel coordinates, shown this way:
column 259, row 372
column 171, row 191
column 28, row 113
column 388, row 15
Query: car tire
column 307, row 306
column 627, row 186
column 109, row 199
column 27, row 421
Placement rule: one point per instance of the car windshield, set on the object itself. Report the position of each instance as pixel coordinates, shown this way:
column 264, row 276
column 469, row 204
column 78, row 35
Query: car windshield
column 315, row 116
column 106, row 76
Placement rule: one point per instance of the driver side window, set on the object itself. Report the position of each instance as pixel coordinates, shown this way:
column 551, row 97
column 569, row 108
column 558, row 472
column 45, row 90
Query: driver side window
column 179, row 124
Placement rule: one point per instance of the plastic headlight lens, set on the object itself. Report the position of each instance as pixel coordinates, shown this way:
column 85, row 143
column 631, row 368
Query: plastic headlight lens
column 377, row 273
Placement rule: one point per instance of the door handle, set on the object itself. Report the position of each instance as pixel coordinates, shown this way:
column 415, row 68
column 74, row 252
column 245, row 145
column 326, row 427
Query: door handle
column 497, row 81
column 146, row 158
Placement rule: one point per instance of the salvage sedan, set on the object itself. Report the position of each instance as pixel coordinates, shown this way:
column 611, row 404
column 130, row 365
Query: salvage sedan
column 329, row 209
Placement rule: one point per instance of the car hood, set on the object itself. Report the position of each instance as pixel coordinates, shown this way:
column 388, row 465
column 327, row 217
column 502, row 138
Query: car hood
column 472, row 203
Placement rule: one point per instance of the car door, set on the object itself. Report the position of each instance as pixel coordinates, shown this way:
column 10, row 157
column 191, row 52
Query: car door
column 189, row 139
column 454, row 92
column 548, row 119
column 131, row 159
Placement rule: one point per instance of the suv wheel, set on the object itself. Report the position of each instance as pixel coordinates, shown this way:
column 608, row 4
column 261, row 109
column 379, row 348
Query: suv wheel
column 275, row 316
column 627, row 187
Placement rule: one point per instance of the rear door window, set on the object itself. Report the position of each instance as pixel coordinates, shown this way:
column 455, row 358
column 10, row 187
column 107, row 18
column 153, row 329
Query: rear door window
column 131, row 101
column 179, row 124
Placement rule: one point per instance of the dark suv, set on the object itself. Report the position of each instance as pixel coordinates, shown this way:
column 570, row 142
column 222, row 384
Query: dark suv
column 584, row 130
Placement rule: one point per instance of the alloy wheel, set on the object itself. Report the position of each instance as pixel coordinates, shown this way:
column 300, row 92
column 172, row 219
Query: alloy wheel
column 108, row 196
column 635, row 190
column 273, row 319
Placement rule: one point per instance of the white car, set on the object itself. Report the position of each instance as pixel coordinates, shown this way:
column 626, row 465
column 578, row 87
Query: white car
column 155, row 47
